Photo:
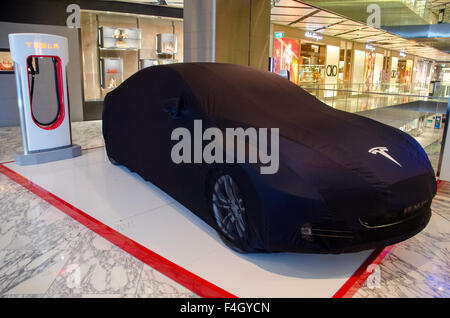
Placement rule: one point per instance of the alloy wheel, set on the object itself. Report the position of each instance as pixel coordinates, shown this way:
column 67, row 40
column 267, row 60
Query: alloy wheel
column 228, row 208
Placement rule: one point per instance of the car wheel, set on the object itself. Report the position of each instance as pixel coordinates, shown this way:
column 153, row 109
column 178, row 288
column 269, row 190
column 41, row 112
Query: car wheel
column 229, row 213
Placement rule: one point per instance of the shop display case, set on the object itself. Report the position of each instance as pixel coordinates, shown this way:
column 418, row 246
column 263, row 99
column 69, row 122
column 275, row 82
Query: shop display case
column 310, row 73
column 6, row 64
column 166, row 48
column 167, row 61
column 111, row 72
column 312, row 64
column 166, row 44
column 119, row 38
column 144, row 63
column 117, row 46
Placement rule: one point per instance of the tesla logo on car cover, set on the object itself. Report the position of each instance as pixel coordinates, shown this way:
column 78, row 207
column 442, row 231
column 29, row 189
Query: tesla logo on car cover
column 383, row 151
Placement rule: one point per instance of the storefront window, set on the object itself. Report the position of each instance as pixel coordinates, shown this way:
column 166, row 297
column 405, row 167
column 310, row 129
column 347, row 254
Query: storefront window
column 421, row 76
column 377, row 72
column 115, row 46
column 368, row 71
column 405, row 74
column 312, row 63
column 286, row 57
column 357, row 71
column 394, row 74
column 345, row 57
column 6, row 64
column 385, row 75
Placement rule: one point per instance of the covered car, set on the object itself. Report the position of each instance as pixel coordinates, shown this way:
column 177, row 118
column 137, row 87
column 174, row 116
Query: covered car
column 345, row 183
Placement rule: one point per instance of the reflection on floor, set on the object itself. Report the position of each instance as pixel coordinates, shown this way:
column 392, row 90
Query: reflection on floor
column 87, row 134
column 140, row 211
column 42, row 250
column 434, row 151
column 420, row 266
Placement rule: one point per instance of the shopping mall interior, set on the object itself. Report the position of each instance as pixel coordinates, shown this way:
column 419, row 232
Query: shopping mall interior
column 84, row 227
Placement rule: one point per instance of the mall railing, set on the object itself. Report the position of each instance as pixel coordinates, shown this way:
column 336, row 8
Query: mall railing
column 361, row 96
column 425, row 124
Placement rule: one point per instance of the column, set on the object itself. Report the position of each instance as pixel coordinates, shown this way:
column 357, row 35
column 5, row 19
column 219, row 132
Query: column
column 444, row 165
column 227, row 31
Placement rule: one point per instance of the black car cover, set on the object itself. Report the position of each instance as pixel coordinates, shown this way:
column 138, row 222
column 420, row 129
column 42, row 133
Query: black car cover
column 236, row 96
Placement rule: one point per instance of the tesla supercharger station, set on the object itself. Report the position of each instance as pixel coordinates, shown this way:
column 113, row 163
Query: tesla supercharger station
column 40, row 62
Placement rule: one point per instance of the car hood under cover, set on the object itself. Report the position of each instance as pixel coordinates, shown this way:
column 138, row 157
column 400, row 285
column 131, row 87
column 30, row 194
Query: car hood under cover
column 235, row 94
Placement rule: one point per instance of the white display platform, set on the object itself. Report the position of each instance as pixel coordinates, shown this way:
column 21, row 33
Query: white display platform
column 145, row 214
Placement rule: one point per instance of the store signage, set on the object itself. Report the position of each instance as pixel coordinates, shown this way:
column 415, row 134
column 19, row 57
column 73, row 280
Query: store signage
column 41, row 45
column 370, row 47
column 313, row 35
column 332, row 70
column 402, row 54
column 278, row 35
column 312, row 26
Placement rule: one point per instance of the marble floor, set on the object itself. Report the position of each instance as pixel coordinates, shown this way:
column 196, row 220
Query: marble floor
column 72, row 261
column 420, row 266
column 69, row 260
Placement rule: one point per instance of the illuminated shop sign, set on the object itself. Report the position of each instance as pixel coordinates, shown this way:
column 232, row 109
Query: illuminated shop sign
column 402, row 54
column 312, row 26
column 313, row 35
column 370, row 47
column 278, row 35
column 332, row 70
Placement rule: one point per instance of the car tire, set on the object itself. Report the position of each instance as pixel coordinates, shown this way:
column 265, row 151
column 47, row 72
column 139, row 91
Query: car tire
column 227, row 206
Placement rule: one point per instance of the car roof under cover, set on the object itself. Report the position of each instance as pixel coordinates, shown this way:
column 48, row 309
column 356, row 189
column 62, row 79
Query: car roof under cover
column 239, row 96
column 256, row 98
column 243, row 94
column 253, row 98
